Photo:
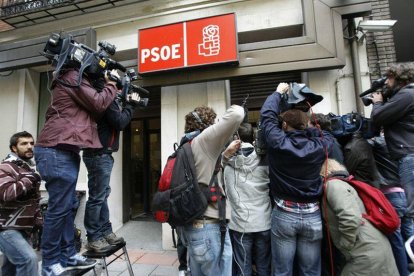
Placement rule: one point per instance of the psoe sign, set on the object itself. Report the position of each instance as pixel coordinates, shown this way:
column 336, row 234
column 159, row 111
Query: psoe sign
column 205, row 41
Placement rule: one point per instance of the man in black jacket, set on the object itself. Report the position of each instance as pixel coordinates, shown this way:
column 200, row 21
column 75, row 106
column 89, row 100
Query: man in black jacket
column 99, row 163
column 295, row 154
column 396, row 115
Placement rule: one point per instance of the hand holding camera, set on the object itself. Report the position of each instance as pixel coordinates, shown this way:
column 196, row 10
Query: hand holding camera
column 112, row 77
column 282, row 88
column 376, row 97
column 134, row 98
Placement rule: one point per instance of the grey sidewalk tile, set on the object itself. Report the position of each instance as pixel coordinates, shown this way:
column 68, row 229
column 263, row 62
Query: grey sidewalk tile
column 141, row 270
column 165, row 271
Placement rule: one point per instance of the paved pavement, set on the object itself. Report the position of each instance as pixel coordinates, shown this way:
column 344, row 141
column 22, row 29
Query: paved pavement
column 143, row 243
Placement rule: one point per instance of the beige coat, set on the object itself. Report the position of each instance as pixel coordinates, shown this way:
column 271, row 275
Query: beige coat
column 209, row 144
column 366, row 249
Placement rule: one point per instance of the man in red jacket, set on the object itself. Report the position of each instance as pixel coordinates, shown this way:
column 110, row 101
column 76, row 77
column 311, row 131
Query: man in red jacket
column 19, row 192
column 70, row 126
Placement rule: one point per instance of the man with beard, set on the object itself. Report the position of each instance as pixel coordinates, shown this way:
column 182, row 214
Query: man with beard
column 19, row 192
column 394, row 110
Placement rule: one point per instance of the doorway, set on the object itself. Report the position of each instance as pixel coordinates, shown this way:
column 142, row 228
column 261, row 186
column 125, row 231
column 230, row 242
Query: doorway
column 145, row 165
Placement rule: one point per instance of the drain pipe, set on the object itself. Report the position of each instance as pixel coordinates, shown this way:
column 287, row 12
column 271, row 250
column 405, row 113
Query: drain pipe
column 353, row 45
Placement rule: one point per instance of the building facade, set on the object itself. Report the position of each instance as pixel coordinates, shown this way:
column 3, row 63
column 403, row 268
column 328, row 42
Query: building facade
column 278, row 40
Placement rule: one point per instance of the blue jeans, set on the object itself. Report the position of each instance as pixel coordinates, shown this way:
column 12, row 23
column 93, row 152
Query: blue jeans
column 203, row 245
column 96, row 220
column 399, row 202
column 248, row 247
column 297, row 234
column 59, row 168
column 406, row 172
column 19, row 257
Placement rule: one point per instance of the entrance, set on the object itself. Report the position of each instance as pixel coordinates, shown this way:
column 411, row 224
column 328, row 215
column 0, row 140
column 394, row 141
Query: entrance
column 145, row 165
column 142, row 159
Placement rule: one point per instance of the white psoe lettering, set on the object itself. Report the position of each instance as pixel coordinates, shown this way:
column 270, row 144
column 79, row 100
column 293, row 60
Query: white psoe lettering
column 164, row 53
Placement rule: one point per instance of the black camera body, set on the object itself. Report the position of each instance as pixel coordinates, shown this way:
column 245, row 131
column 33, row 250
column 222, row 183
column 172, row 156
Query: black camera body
column 128, row 87
column 64, row 52
column 376, row 84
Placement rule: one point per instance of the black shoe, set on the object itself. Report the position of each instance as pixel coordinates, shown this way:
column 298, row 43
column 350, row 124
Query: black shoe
column 79, row 262
column 113, row 239
column 99, row 246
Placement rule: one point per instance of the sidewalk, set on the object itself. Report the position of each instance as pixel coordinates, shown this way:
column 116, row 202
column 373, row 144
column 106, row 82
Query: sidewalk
column 145, row 252
column 143, row 243
column 143, row 263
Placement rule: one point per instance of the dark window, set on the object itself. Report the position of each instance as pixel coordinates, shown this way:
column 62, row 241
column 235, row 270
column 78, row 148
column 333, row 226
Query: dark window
column 402, row 11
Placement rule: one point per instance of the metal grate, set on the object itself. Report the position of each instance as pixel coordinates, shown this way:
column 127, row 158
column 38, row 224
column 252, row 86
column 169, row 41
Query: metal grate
column 23, row 13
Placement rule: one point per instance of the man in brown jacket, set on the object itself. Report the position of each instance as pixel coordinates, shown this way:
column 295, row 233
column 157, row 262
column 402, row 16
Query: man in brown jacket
column 70, row 126
column 19, row 207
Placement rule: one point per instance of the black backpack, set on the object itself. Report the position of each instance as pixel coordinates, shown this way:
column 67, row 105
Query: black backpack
column 179, row 199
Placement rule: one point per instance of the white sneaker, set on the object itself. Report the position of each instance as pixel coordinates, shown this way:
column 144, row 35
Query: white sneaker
column 181, row 273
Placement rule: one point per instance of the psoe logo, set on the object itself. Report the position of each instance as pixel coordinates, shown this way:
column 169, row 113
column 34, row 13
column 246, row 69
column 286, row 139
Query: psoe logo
column 211, row 41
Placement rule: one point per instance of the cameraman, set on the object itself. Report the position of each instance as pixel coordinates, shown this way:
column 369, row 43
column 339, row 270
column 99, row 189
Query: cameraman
column 396, row 115
column 70, row 126
column 99, row 163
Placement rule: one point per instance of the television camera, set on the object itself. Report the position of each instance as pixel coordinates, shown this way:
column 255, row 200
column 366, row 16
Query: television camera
column 348, row 124
column 376, row 84
column 128, row 87
column 65, row 52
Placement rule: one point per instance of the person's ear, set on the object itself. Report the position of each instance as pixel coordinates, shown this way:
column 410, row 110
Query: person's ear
column 284, row 126
column 14, row 149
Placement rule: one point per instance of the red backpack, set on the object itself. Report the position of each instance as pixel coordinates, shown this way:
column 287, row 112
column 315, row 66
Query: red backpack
column 180, row 199
column 380, row 212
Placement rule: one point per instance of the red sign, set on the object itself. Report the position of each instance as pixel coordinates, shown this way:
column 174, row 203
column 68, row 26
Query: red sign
column 198, row 42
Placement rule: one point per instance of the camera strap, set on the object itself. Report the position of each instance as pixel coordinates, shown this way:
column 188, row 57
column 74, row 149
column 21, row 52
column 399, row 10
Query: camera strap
column 62, row 56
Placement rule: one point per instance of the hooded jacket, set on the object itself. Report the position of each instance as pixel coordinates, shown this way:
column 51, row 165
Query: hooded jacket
column 366, row 249
column 295, row 157
column 247, row 185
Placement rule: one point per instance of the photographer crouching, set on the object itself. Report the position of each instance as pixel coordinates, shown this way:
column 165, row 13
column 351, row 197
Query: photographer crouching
column 394, row 110
column 70, row 126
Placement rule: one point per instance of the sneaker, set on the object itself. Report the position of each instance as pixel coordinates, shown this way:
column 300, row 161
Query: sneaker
column 112, row 239
column 54, row 270
column 98, row 246
column 182, row 273
column 78, row 261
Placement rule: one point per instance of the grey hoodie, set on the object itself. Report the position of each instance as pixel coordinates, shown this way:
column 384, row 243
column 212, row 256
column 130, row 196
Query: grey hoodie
column 247, row 187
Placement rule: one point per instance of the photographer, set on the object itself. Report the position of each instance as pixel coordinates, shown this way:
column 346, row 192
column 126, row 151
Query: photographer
column 295, row 155
column 70, row 126
column 396, row 115
column 99, row 163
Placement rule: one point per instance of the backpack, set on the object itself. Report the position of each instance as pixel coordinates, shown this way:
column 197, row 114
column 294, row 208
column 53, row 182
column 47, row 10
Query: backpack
column 380, row 212
column 180, row 199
